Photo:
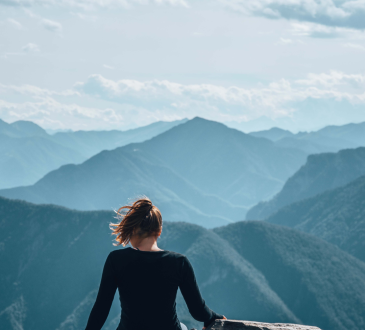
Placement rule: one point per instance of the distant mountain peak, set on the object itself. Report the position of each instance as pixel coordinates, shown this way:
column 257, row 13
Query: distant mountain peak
column 211, row 125
column 28, row 128
column 273, row 134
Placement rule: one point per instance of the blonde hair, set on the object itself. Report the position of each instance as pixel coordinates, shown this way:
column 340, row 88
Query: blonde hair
column 141, row 218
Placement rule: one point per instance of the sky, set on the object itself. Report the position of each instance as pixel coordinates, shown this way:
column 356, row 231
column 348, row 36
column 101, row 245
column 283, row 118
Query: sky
column 120, row 64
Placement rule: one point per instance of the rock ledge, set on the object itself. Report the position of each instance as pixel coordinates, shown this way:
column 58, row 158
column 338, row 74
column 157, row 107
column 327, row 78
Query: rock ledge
column 248, row 325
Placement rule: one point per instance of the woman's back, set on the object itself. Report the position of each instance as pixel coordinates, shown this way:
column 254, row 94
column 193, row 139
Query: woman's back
column 148, row 287
column 147, row 280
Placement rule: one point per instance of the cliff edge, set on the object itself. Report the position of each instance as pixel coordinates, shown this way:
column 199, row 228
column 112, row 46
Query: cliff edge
column 248, row 325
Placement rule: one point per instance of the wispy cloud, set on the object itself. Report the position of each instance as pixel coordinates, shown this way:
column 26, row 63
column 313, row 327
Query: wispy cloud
column 275, row 99
column 354, row 46
column 334, row 78
column 15, row 23
column 286, row 41
column 341, row 13
column 128, row 101
column 51, row 26
column 30, row 48
column 51, row 113
column 321, row 31
column 34, row 91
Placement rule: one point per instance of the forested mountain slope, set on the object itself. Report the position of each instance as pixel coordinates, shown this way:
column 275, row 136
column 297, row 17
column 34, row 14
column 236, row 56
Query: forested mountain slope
column 52, row 260
column 306, row 273
column 320, row 173
column 337, row 216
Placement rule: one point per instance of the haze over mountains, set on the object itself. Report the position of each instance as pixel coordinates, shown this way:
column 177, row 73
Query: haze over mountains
column 202, row 166
column 29, row 152
column 224, row 161
column 337, row 216
column 196, row 171
column 329, row 138
column 320, row 173
column 324, row 198
column 240, row 269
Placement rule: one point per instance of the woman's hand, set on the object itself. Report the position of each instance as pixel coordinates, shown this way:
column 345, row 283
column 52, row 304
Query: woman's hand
column 224, row 318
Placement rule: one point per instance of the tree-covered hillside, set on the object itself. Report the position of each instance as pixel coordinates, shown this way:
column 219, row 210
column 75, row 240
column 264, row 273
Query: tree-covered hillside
column 320, row 173
column 337, row 216
column 52, row 260
column 308, row 274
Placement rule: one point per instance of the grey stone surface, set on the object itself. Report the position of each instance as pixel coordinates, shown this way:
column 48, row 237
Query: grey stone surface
column 248, row 325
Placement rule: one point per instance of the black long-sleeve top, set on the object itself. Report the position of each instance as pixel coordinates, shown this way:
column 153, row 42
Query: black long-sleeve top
column 147, row 282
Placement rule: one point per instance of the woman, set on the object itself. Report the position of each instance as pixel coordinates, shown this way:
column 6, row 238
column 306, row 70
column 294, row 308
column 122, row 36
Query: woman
column 146, row 276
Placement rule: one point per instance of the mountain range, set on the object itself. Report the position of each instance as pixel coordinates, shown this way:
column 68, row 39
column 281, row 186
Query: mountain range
column 327, row 139
column 52, row 260
column 337, row 216
column 320, row 173
column 29, row 152
column 205, row 170
column 324, row 198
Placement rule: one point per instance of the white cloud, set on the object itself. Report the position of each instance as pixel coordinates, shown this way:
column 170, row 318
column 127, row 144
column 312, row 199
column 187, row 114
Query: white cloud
column 106, row 66
column 53, row 114
column 354, row 46
column 224, row 102
column 286, row 41
column 123, row 103
column 334, row 78
column 31, row 48
column 51, row 25
column 314, row 30
column 321, row 31
column 342, row 13
column 15, row 23
column 34, row 91
column 355, row 5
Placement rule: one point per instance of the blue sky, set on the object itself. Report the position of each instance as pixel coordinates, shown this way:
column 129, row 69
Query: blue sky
column 118, row 64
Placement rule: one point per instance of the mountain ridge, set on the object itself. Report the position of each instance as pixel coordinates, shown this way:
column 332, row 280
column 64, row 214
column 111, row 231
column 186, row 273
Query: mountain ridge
column 320, row 173
column 194, row 156
column 49, row 152
column 336, row 215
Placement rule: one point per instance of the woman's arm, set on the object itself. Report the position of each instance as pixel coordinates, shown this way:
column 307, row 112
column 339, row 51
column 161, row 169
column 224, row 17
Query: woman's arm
column 104, row 299
column 191, row 293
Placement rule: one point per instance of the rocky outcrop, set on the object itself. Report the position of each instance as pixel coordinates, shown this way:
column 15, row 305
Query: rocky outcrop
column 248, row 325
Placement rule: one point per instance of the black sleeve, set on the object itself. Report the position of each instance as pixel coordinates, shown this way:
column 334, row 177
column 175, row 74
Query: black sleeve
column 104, row 299
column 195, row 302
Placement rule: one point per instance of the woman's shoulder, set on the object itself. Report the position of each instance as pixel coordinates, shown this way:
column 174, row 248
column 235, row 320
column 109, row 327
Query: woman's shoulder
column 180, row 258
column 176, row 255
column 128, row 251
